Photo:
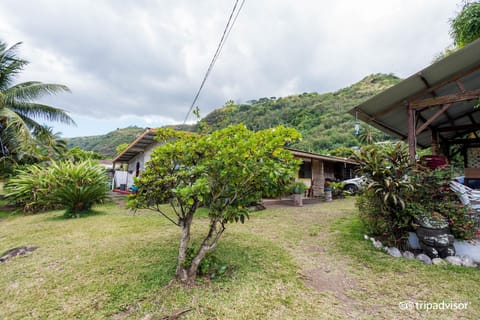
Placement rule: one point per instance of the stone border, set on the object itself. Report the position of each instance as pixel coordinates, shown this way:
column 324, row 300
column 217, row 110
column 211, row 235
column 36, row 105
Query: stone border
column 464, row 260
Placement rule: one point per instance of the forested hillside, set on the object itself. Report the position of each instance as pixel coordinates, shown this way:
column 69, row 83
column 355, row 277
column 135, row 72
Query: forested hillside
column 106, row 144
column 321, row 118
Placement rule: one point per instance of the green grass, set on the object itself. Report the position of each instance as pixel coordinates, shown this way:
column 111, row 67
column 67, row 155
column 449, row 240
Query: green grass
column 111, row 264
column 387, row 281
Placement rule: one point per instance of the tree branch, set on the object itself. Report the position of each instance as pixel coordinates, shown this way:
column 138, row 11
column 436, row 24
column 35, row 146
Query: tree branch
column 164, row 214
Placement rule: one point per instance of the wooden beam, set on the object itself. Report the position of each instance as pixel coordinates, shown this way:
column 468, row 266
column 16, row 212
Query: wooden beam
column 451, row 98
column 380, row 124
column 460, row 86
column 455, row 77
column 464, row 141
column 432, row 118
column 459, row 128
column 425, row 82
column 412, row 145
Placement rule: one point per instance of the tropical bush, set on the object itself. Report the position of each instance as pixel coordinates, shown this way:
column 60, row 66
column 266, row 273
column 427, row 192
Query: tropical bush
column 29, row 189
column 400, row 191
column 433, row 197
column 77, row 186
column 383, row 202
column 73, row 186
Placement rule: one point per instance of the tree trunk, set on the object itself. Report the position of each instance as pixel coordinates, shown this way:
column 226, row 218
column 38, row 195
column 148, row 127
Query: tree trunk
column 182, row 272
column 188, row 275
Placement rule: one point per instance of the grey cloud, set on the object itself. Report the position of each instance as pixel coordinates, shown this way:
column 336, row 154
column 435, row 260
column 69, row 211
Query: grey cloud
column 148, row 57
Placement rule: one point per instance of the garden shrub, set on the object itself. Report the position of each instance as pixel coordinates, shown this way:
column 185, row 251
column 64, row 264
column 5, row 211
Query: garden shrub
column 75, row 187
column 29, row 189
column 399, row 191
column 369, row 211
column 433, row 196
column 383, row 203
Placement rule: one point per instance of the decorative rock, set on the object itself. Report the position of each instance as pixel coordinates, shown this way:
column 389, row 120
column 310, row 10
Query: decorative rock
column 408, row 255
column 378, row 244
column 394, row 252
column 424, row 258
column 438, row 262
column 413, row 241
column 372, row 239
column 467, row 261
column 365, row 237
column 454, row 260
column 450, row 251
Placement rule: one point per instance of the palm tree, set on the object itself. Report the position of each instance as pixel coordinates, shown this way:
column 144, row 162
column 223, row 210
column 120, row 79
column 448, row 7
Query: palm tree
column 50, row 145
column 19, row 112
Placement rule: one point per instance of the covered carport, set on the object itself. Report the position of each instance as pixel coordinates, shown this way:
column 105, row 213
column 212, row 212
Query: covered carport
column 436, row 107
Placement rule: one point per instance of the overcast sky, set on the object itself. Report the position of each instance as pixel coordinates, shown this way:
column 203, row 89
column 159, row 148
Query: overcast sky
column 140, row 62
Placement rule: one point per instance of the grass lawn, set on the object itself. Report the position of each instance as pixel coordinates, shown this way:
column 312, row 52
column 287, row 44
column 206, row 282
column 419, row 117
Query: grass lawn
column 284, row 263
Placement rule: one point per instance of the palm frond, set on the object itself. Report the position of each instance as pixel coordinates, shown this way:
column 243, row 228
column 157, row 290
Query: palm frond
column 10, row 65
column 28, row 91
column 41, row 111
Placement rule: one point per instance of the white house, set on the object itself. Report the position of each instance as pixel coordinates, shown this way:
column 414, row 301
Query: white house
column 133, row 159
column 314, row 171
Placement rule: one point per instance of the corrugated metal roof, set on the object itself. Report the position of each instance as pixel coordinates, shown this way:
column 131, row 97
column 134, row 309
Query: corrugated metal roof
column 454, row 74
column 137, row 146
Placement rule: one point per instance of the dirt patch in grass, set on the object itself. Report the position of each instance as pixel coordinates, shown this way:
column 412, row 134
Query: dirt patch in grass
column 320, row 270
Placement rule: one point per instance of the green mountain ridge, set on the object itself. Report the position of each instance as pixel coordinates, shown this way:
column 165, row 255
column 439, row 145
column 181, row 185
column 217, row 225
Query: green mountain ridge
column 322, row 119
column 106, row 144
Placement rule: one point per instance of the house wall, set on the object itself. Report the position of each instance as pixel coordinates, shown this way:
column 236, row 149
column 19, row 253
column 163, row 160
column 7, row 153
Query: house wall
column 142, row 158
column 316, row 180
column 322, row 170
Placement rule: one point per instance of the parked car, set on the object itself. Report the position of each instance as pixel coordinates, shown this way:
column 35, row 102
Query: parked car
column 354, row 185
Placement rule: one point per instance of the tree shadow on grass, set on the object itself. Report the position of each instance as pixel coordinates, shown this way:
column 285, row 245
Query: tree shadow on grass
column 63, row 215
column 247, row 257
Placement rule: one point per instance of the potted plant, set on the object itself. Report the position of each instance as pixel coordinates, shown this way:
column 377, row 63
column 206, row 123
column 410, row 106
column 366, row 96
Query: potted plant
column 298, row 191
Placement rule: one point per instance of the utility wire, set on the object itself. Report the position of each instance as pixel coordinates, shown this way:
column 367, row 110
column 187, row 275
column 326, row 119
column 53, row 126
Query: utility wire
column 226, row 33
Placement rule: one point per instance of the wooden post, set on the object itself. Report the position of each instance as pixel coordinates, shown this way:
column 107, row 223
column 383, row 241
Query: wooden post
column 411, row 133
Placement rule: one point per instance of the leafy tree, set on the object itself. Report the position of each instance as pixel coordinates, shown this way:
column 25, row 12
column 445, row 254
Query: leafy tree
column 225, row 171
column 77, row 154
column 121, row 147
column 465, row 27
column 342, row 152
column 18, row 111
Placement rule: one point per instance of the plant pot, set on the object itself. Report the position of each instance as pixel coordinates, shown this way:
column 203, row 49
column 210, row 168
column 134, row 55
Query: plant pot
column 298, row 200
column 328, row 195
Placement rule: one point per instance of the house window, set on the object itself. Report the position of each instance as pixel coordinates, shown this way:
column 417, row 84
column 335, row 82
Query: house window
column 305, row 170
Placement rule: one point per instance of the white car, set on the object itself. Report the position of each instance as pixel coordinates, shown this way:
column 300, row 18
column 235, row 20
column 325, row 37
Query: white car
column 354, row 185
